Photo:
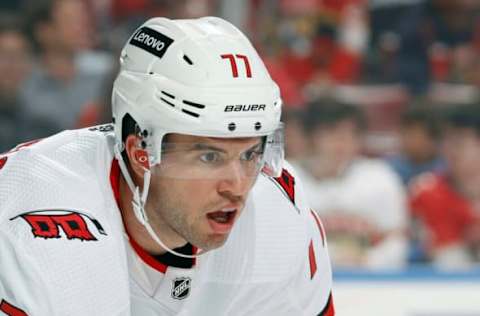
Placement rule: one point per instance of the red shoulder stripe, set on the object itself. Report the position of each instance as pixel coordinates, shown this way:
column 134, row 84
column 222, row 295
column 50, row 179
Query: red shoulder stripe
column 313, row 261
column 329, row 309
column 320, row 226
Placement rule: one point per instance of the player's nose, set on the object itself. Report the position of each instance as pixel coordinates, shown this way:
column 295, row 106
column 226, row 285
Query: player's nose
column 236, row 181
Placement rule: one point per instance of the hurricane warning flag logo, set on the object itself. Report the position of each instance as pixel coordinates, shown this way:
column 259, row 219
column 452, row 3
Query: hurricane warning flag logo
column 49, row 224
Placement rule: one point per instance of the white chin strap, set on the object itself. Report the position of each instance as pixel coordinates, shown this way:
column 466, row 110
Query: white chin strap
column 139, row 200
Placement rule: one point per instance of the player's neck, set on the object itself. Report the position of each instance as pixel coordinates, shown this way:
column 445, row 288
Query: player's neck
column 136, row 230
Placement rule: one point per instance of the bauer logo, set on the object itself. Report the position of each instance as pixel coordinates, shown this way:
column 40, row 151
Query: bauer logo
column 151, row 41
column 244, row 108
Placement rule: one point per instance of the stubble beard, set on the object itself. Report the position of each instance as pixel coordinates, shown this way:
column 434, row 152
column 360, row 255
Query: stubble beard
column 170, row 214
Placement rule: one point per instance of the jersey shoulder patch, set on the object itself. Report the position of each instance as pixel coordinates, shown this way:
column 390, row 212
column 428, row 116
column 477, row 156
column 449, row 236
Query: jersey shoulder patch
column 54, row 224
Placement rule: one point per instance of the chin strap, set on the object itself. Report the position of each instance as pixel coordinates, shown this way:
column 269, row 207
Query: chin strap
column 139, row 201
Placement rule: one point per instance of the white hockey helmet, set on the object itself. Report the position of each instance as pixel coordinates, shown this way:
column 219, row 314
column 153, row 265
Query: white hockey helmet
column 197, row 77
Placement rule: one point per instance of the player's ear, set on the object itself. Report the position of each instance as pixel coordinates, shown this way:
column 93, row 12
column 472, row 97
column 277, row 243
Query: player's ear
column 137, row 156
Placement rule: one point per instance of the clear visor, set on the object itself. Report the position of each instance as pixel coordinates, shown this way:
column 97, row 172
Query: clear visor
column 222, row 160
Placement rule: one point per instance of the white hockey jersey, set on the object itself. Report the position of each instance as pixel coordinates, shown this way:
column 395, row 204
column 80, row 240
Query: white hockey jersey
column 65, row 251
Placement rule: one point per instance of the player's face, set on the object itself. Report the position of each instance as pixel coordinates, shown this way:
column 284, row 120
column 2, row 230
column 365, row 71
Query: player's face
column 200, row 187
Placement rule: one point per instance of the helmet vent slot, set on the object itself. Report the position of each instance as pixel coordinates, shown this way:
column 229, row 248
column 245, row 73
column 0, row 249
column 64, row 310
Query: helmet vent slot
column 190, row 113
column 187, row 59
column 168, row 95
column 167, row 102
column 164, row 97
column 195, row 105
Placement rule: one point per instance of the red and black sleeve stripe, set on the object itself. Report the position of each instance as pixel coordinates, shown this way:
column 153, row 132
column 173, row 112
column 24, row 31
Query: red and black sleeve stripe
column 328, row 310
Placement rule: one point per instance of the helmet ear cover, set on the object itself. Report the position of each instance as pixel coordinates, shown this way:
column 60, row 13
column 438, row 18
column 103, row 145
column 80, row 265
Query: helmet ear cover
column 142, row 157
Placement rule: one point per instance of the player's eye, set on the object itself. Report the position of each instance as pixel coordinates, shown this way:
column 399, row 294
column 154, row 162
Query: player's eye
column 251, row 155
column 210, row 157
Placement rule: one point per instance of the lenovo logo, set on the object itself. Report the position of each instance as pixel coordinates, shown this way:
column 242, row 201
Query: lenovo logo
column 151, row 41
column 245, row 107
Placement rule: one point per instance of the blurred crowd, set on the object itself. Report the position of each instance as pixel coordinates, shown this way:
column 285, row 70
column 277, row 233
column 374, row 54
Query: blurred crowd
column 381, row 105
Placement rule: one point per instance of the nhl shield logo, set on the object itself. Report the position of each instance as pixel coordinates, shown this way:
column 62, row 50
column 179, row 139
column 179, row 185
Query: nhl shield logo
column 181, row 288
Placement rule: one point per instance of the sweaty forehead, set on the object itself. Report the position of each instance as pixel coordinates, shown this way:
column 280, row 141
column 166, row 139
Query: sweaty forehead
column 218, row 141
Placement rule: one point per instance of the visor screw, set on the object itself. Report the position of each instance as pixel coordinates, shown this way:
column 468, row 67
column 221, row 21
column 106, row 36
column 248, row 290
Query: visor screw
column 232, row 127
column 258, row 126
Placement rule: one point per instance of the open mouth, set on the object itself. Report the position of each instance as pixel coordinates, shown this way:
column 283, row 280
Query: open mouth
column 221, row 221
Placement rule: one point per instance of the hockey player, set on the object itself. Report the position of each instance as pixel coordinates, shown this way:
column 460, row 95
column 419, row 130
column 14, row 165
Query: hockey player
column 183, row 206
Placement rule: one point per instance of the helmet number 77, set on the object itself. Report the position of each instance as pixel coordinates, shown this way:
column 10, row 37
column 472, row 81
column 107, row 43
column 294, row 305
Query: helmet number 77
column 232, row 58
